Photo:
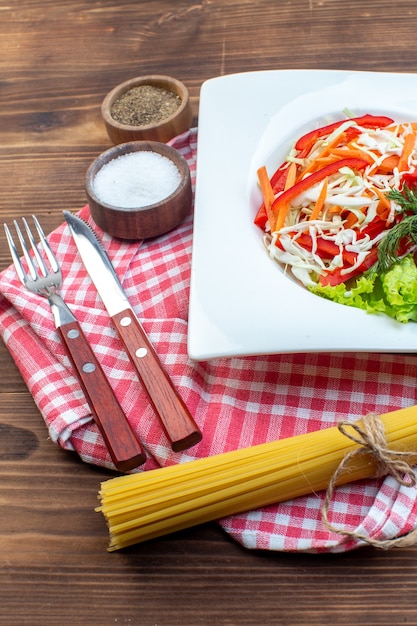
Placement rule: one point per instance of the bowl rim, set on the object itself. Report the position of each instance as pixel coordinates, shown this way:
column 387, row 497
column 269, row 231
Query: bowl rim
column 167, row 82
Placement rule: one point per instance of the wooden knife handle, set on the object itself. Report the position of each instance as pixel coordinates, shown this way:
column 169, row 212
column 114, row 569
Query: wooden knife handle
column 124, row 448
column 176, row 420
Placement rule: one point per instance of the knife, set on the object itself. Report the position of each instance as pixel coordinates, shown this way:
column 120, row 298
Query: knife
column 124, row 447
column 173, row 414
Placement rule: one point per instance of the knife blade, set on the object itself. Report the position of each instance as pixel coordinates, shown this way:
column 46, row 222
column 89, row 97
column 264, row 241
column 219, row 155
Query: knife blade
column 172, row 412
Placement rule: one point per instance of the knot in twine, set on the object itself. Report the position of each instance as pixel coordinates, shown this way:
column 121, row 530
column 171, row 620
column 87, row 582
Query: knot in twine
column 369, row 433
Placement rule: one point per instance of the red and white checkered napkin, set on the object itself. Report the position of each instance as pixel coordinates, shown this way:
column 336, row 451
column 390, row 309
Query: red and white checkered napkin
column 237, row 402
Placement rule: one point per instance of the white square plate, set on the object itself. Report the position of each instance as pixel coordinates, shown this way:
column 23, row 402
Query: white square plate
column 241, row 302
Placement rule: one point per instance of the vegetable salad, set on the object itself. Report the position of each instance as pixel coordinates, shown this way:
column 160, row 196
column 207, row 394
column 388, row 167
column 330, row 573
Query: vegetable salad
column 340, row 213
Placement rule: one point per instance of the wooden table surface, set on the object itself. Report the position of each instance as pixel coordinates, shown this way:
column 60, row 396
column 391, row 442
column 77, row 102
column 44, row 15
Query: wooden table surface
column 58, row 60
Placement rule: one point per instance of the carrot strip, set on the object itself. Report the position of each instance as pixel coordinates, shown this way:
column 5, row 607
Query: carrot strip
column 290, row 180
column 402, row 127
column 267, row 192
column 351, row 220
column 353, row 152
column 389, row 163
column 309, row 169
column 327, row 147
column 382, row 197
column 318, row 207
column 320, row 162
column 409, row 143
column 383, row 213
column 266, row 187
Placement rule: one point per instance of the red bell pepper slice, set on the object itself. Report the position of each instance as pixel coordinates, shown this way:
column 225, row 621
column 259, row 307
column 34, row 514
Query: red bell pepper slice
column 282, row 202
column 410, row 179
column 367, row 121
column 261, row 217
column 374, row 228
column 325, row 248
column 279, row 176
column 336, row 277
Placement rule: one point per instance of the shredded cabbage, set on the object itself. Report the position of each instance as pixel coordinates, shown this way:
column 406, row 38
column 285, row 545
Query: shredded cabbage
column 334, row 227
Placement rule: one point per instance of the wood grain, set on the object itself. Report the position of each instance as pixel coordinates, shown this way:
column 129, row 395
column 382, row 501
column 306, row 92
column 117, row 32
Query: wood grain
column 57, row 62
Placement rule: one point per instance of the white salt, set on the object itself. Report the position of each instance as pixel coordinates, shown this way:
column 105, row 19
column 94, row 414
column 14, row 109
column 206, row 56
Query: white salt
column 136, row 179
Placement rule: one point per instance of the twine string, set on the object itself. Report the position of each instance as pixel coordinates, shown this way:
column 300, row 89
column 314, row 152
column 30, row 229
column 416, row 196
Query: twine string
column 369, row 434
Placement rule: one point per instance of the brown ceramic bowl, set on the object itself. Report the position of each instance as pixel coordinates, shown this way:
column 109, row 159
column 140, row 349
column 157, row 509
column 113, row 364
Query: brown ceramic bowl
column 164, row 130
column 140, row 222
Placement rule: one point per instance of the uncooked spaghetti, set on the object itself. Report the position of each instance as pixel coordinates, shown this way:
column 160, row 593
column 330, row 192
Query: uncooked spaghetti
column 146, row 505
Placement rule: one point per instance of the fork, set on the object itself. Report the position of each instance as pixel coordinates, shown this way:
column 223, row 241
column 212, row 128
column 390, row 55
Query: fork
column 124, row 448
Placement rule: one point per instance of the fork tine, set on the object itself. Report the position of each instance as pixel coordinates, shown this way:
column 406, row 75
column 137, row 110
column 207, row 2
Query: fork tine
column 39, row 260
column 36, row 265
column 47, row 248
column 31, row 266
column 15, row 256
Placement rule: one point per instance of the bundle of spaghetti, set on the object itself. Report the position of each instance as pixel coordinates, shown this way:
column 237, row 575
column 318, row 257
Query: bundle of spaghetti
column 142, row 506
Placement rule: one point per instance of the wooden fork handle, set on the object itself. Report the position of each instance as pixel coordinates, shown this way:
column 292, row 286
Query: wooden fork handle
column 175, row 418
column 124, row 448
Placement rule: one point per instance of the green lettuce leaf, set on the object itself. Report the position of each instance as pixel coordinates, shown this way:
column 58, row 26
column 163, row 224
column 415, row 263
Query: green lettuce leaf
column 393, row 292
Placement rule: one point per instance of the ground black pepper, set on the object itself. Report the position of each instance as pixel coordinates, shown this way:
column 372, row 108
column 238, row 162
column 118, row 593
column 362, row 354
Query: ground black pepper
column 144, row 104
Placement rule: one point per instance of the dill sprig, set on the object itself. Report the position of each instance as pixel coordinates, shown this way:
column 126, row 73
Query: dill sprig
column 406, row 199
column 403, row 231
